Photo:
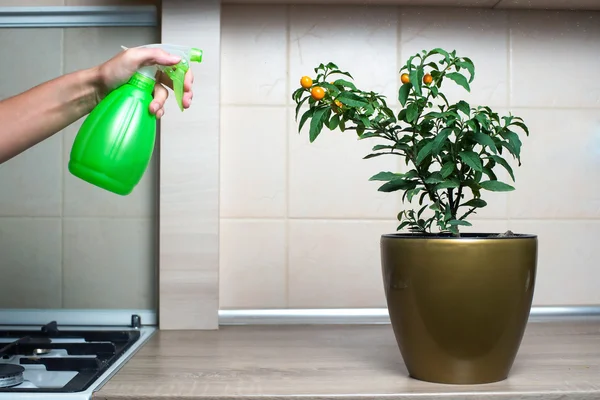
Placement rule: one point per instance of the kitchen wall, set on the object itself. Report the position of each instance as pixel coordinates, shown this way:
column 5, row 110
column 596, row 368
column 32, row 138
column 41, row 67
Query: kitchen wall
column 300, row 222
column 64, row 243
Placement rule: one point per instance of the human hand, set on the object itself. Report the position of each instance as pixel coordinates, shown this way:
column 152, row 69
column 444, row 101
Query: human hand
column 117, row 71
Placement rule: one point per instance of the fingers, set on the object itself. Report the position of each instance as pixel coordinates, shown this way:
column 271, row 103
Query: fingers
column 187, row 86
column 151, row 56
column 160, row 97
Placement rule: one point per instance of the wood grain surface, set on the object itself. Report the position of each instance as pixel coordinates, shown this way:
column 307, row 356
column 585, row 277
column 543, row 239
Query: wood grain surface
column 557, row 360
column 189, row 176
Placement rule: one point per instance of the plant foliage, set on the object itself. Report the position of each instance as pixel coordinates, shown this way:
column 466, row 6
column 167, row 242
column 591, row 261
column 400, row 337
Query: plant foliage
column 454, row 150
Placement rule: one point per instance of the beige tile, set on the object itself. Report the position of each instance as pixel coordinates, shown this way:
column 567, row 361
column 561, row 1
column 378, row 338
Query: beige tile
column 253, row 270
column 85, row 48
column 549, row 50
column 30, row 261
column 330, row 179
column 568, row 255
column 253, row 161
column 109, row 263
column 481, row 35
column 359, row 39
column 336, row 263
column 31, row 182
column 254, row 54
column 558, row 177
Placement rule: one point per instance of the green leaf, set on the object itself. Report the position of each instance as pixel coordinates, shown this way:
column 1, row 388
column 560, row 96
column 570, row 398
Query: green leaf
column 490, row 174
column 412, row 111
column 449, row 184
column 506, row 166
column 438, row 142
column 411, row 193
column 435, row 177
column 496, row 186
column 342, row 82
column 424, row 152
column 522, row 126
column 402, row 225
column 352, row 100
column 333, row 122
column 403, row 93
column 447, row 169
column 471, row 159
column 469, row 66
column 477, row 203
column 316, row 124
column 464, row 107
column 385, row 176
column 514, row 141
column 305, row 117
column 416, row 77
column 456, row 222
column 459, row 79
column 485, row 141
column 397, row 184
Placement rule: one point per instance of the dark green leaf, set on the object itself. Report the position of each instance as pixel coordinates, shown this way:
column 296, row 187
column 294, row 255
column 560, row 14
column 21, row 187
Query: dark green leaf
column 316, row 124
column 352, row 100
column 447, row 169
column 411, row 193
column 503, row 162
column 455, row 222
column 485, row 141
column 385, row 176
column 435, row 177
column 464, row 107
column 490, row 174
column 513, row 140
column 412, row 112
column 333, row 122
column 496, row 186
column 398, row 184
column 416, row 77
column 342, row 82
column 477, row 203
column 469, row 66
column 522, row 126
column 449, row 184
column 402, row 225
column 305, row 117
column 471, row 159
column 440, row 139
column 403, row 93
column 424, row 152
column 459, row 79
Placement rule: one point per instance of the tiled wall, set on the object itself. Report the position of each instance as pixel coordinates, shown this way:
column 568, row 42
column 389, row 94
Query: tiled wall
column 64, row 243
column 300, row 223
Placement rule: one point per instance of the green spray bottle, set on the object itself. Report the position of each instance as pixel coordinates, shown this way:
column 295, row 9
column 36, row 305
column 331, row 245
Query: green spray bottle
column 114, row 145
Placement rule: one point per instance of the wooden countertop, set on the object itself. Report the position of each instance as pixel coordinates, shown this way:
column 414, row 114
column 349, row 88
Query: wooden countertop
column 557, row 360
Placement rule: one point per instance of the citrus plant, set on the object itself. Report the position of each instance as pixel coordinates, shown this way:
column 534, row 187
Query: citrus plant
column 453, row 149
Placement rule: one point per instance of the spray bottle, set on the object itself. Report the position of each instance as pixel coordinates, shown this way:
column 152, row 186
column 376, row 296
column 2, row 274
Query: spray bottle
column 115, row 142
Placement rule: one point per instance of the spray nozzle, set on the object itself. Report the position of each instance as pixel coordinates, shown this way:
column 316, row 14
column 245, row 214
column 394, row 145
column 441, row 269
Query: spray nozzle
column 175, row 72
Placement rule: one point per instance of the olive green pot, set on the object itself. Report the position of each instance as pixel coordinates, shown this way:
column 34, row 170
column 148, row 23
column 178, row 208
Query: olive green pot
column 459, row 305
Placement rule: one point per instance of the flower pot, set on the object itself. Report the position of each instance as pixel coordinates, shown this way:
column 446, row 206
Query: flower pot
column 459, row 305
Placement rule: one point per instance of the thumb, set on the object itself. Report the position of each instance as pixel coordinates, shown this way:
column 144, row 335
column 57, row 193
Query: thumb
column 152, row 56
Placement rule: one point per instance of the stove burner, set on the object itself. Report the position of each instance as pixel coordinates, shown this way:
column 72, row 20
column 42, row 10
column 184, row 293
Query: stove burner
column 11, row 375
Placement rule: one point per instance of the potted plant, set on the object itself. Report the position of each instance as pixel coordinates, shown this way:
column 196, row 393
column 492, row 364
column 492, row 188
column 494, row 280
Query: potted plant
column 458, row 302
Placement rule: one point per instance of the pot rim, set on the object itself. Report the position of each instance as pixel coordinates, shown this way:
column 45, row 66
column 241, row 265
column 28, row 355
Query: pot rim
column 463, row 236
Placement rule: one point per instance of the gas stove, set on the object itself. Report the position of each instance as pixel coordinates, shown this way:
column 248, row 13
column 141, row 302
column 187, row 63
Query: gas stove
column 55, row 362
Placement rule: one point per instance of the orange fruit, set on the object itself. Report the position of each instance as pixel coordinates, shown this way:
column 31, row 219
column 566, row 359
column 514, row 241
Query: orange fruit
column 306, row 82
column 317, row 93
column 404, row 78
column 427, row 79
column 338, row 103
